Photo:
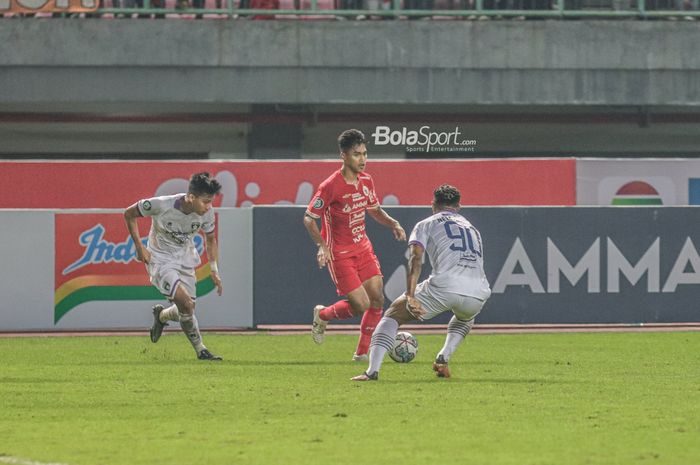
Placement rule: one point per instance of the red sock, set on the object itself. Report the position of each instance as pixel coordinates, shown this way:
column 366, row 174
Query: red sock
column 370, row 319
column 340, row 310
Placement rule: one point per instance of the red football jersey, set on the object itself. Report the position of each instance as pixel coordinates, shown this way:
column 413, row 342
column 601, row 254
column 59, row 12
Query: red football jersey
column 341, row 206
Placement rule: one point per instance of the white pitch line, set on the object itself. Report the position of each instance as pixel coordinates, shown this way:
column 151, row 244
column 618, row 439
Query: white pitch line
column 18, row 461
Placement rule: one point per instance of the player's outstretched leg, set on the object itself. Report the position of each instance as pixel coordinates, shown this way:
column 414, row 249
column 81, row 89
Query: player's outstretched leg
column 318, row 326
column 440, row 367
column 366, row 377
column 382, row 342
column 340, row 310
column 457, row 330
column 204, row 354
column 189, row 325
column 157, row 326
column 369, row 322
column 161, row 316
column 367, row 300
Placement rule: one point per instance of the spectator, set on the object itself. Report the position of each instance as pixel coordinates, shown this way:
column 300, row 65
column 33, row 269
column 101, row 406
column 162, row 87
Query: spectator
column 350, row 5
column 418, row 5
column 685, row 5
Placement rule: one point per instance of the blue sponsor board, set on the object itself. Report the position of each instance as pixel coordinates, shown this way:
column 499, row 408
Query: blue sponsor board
column 545, row 265
column 694, row 191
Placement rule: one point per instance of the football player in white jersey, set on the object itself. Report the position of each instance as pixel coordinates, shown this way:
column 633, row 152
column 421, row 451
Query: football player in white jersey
column 171, row 256
column 456, row 284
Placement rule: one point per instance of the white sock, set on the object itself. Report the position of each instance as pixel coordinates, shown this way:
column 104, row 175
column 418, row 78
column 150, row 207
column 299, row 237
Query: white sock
column 457, row 330
column 382, row 342
column 189, row 326
column 169, row 314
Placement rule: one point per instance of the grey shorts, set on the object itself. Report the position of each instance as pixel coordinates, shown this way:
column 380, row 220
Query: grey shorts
column 167, row 277
column 436, row 301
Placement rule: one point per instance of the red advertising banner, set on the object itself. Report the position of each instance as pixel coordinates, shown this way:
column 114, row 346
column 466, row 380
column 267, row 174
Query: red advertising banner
column 51, row 6
column 245, row 183
column 96, row 260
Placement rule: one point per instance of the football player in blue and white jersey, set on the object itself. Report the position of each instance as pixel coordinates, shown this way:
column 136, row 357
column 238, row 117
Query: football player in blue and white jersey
column 171, row 257
column 456, row 284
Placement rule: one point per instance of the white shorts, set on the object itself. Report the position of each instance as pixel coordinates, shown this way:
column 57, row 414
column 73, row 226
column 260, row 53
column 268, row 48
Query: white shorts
column 166, row 277
column 436, row 302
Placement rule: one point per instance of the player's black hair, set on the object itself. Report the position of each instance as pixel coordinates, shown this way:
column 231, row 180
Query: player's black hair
column 350, row 138
column 203, row 184
column 447, row 195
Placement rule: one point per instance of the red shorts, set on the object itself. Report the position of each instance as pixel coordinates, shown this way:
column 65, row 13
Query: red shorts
column 349, row 273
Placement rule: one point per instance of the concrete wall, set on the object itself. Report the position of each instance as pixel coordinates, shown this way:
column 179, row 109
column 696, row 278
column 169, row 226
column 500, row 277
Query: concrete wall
column 306, row 62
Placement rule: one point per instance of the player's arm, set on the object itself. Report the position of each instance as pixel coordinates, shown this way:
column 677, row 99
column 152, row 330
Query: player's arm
column 415, row 264
column 213, row 253
column 383, row 218
column 131, row 216
column 323, row 256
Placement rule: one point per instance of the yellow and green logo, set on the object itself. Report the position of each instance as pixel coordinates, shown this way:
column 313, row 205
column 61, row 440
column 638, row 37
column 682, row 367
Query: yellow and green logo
column 96, row 261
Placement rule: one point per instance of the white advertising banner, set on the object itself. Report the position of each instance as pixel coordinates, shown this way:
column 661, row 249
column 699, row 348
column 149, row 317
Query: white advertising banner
column 76, row 269
column 624, row 181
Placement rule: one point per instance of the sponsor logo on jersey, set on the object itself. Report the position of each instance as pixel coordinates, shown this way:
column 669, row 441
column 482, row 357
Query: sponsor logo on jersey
column 357, row 217
column 357, row 205
column 195, row 226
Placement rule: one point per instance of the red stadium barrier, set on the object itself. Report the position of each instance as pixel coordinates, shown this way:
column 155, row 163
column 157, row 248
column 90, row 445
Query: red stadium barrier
column 91, row 184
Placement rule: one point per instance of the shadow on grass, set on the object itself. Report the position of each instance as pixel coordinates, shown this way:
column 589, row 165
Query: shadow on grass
column 222, row 363
column 458, row 380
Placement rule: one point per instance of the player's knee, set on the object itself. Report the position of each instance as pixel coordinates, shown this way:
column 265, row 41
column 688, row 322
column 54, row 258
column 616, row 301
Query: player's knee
column 464, row 315
column 360, row 305
column 186, row 307
column 393, row 312
column 397, row 310
column 377, row 302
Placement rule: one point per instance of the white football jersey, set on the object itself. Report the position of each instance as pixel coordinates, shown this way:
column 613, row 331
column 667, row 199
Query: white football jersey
column 172, row 232
column 456, row 254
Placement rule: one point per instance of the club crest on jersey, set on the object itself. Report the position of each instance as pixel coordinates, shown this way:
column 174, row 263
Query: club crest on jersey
column 146, row 205
column 365, row 190
column 318, row 203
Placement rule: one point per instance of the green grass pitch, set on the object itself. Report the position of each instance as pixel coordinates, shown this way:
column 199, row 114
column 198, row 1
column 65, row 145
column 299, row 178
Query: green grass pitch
column 525, row 399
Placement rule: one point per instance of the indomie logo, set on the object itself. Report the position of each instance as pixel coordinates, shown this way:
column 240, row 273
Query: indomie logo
column 97, row 250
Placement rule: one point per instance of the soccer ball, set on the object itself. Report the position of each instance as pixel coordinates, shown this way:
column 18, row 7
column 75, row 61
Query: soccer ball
column 405, row 347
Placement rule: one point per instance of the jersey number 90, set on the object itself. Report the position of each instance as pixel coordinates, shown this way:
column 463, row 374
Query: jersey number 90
column 462, row 238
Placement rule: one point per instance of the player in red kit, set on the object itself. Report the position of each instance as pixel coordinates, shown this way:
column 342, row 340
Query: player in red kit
column 341, row 202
